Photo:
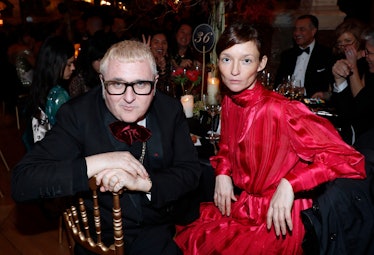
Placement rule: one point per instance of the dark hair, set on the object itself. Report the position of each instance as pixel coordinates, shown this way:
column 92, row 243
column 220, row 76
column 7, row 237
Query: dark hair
column 94, row 49
column 313, row 19
column 236, row 33
column 49, row 69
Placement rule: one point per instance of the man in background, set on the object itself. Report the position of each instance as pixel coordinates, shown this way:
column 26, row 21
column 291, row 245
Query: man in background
column 308, row 61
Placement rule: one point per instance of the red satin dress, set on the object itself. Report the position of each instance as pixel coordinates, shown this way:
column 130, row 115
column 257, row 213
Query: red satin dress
column 266, row 137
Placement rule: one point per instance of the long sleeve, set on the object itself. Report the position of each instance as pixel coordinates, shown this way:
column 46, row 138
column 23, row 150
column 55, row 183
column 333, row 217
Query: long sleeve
column 266, row 137
column 316, row 142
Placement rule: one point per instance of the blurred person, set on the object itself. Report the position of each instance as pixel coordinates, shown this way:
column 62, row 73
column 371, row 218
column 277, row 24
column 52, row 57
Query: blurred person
column 132, row 139
column 285, row 150
column 349, row 34
column 118, row 29
column 54, row 67
column 22, row 55
column 308, row 61
column 159, row 47
column 88, row 64
column 348, row 38
column 183, row 54
column 354, row 85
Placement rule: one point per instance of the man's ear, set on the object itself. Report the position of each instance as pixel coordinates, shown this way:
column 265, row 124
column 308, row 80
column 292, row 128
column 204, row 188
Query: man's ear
column 263, row 63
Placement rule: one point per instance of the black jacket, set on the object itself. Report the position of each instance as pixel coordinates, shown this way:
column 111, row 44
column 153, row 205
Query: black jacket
column 318, row 72
column 341, row 220
column 56, row 166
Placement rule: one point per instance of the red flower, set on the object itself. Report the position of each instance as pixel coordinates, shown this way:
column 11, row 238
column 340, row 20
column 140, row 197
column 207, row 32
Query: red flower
column 193, row 75
column 177, row 72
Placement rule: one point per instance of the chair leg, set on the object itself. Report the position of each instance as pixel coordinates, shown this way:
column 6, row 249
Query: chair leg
column 17, row 118
column 60, row 230
column 4, row 161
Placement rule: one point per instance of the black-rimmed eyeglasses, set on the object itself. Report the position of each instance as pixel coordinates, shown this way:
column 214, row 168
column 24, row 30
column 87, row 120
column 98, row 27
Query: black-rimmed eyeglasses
column 345, row 43
column 368, row 53
column 140, row 87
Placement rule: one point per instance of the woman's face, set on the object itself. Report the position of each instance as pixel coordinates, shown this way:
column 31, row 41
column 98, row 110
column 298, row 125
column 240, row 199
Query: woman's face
column 184, row 36
column 69, row 68
column 159, row 45
column 345, row 40
column 239, row 66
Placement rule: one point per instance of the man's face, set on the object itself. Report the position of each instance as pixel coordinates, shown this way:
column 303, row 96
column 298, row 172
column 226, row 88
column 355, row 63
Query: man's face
column 128, row 107
column 369, row 53
column 304, row 32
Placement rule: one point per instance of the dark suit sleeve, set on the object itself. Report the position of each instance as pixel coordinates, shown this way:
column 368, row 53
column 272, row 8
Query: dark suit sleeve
column 181, row 171
column 55, row 166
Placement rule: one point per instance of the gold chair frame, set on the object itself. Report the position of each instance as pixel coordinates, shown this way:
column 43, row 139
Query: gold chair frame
column 76, row 222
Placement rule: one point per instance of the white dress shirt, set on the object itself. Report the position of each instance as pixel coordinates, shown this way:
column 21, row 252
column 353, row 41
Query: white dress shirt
column 302, row 63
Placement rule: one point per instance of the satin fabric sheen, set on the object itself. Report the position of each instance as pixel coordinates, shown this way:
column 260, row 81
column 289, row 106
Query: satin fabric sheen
column 266, row 137
column 129, row 133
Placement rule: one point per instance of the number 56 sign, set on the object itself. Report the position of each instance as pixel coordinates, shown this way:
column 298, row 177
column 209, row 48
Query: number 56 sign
column 203, row 38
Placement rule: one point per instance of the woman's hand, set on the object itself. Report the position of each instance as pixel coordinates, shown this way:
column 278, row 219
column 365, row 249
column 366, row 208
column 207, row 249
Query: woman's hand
column 146, row 41
column 161, row 63
column 341, row 70
column 186, row 63
column 279, row 213
column 351, row 55
column 223, row 194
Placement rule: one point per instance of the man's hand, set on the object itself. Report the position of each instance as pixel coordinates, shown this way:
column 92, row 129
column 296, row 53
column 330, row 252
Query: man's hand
column 116, row 179
column 115, row 160
column 223, row 194
column 279, row 213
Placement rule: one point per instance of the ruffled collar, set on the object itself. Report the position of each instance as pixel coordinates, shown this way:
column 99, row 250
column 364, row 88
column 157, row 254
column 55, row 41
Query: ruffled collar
column 248, row 97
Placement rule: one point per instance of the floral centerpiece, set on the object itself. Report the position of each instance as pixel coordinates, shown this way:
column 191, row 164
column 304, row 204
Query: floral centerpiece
column 187, row 79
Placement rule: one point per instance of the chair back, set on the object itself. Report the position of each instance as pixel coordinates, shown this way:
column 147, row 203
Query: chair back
column 76, row 222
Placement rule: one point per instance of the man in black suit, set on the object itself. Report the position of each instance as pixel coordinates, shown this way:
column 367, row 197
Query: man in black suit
column 307, row 61
column 157, row 166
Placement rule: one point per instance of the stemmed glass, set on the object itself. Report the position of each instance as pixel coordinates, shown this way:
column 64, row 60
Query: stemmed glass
column 213, row 107
column 298, row 90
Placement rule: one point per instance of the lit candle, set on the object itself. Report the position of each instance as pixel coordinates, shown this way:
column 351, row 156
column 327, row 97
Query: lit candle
column 212, row 89
column 187, row 102
column 77, row 48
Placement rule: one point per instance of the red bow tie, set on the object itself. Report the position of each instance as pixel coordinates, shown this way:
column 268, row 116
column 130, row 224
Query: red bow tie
column 129, row 133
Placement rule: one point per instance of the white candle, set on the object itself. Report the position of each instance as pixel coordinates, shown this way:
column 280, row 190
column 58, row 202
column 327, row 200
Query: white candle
column 187, row 102
column 212, row 89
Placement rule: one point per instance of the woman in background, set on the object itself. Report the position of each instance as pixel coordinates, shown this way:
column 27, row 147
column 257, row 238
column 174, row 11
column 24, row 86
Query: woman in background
column 160, row 49
column 353, row 102
column 88, row 64
column 272, row 150
column 54, row 67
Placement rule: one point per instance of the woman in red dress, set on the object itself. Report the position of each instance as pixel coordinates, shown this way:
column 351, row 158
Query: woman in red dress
column 271, row 149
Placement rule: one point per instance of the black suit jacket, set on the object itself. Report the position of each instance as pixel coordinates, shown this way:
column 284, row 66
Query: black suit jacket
column 56, row 166
column 341, row 220
column 318, row 73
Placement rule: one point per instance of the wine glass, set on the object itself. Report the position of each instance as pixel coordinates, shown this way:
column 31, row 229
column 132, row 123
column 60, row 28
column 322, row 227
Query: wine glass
column 213, row 107
column 298, row 90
